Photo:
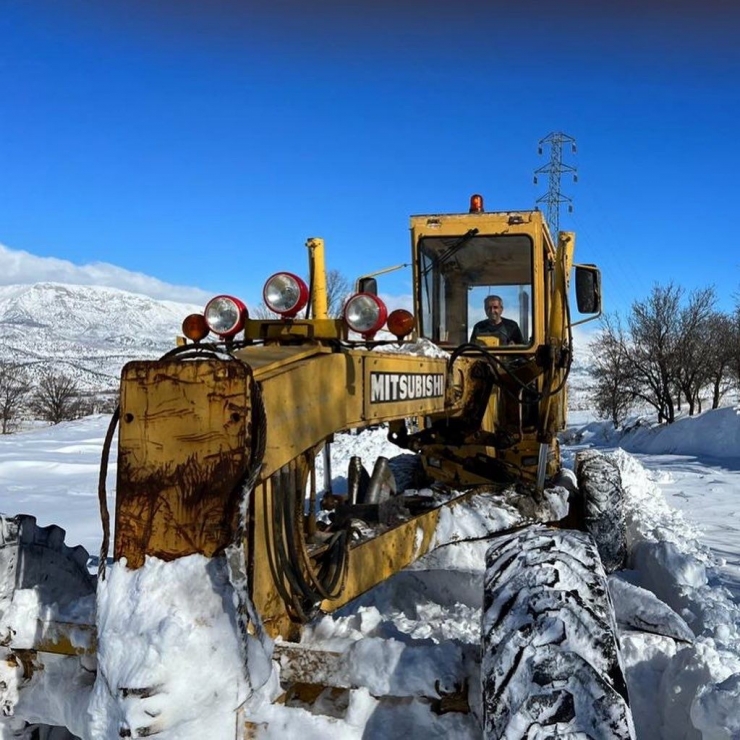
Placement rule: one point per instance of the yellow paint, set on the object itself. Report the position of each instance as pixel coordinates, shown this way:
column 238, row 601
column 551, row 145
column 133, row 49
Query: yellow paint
column 317, row 267
column 178, row 425
column 183, row 447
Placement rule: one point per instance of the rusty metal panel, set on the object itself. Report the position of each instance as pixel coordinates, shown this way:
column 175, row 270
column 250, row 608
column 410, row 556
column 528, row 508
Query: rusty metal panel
column 184, row 443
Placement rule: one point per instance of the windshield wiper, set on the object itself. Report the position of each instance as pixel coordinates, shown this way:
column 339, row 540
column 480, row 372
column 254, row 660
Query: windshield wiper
column 450, row 251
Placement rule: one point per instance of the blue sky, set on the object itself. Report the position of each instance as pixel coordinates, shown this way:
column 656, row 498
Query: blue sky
column 202, row 143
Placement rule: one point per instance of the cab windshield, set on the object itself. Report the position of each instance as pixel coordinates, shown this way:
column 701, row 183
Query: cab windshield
column 457, row 275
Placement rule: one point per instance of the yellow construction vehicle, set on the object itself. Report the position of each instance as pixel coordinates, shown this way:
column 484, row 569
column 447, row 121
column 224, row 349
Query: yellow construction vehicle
column 219, row 440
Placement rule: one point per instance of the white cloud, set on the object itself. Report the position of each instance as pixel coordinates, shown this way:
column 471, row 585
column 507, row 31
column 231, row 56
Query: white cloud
column 22, row 268
column 393, row 302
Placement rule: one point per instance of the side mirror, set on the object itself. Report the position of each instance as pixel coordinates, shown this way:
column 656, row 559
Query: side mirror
column 588, row 289
column 367, row 285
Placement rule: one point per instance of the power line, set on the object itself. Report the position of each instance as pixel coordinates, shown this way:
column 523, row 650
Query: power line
column 554, row 169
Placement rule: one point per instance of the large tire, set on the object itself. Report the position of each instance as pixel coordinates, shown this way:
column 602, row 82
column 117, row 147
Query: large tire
column 550, row 661
column 44, row 732
column 37, row 557
column 602, row 495
column 33, row 557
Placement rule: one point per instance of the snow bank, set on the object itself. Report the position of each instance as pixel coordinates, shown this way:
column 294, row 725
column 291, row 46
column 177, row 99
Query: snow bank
column 155, row 624
column 714, row 433
column 420, row 348
column 698, row 685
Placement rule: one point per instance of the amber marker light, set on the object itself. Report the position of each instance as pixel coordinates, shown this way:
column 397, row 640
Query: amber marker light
column 476, row 203
column 194, row 327
column 401, row 323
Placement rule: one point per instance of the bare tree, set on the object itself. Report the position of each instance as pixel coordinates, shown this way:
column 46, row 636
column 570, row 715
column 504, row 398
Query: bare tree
column 673, row 343
column 56, row 398
column 261, row 312
column 14, row 389
column 723, row 346
column 611, row 370
column 655, row 327
column 672, row 349
column 338, row 290
column 692, row 361
column 735, row 345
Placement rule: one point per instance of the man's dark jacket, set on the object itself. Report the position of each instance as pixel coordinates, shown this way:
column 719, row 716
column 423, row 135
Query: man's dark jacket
column 507, row 331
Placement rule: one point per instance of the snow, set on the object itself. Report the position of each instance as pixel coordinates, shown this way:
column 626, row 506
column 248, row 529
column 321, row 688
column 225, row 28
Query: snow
column 684, row 549
column 168, row 631
column 154, row 644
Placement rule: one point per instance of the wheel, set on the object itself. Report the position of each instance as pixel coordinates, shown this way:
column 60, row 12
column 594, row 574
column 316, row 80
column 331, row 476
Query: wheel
column 34, row 558
column 44, row 732
column 600, row 486
column 37, row 557
column 550, row 661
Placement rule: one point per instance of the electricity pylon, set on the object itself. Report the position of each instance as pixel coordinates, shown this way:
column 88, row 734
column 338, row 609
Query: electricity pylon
column 554, row 169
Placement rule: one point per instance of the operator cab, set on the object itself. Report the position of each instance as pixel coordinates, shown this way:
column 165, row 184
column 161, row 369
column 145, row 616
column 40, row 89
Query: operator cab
column 460, row 259
column 458, row 273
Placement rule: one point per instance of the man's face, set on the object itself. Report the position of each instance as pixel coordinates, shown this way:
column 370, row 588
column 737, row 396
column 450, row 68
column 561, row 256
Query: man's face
column 494, row 309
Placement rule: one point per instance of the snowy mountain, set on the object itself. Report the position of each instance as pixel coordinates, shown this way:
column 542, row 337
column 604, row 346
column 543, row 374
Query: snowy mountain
column 86, row 332
column 90, row 332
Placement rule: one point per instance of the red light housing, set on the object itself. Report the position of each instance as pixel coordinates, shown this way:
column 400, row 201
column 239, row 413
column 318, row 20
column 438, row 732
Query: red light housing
column 225, row 315
column 476, row 203
column 401, row 323
column 285, row 294
column 365, row 313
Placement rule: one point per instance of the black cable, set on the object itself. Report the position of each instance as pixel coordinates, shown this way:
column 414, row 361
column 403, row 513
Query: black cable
column 275, row 553
column 199, row 350
column 321, row 583
column 293, row 558
column 286, row 564
column 103, row 494
column 497, row 364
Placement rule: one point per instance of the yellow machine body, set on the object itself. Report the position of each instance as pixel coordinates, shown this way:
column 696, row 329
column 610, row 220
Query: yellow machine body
column 188, row 428
column 219, row 445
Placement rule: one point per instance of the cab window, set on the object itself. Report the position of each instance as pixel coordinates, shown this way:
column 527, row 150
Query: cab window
column 458, row 273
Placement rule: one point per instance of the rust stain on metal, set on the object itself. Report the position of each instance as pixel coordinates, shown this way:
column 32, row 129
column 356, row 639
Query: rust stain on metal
column 183, row 451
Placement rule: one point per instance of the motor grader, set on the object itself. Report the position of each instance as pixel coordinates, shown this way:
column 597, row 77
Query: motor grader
column 218, row 447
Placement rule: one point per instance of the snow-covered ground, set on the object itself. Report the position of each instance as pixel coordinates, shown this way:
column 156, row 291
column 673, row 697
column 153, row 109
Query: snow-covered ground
column 683, row 485
column 421, row 627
